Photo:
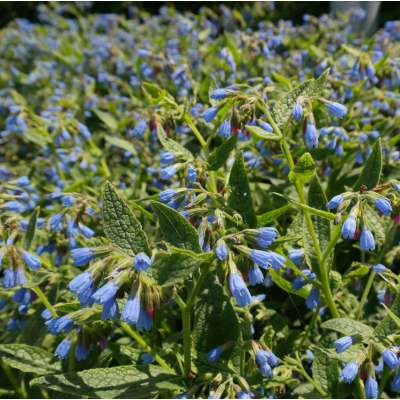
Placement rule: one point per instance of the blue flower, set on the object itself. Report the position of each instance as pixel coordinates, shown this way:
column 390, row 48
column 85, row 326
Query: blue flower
column 255, row 276
column 214, row 354
column 9, row 280
column 297, row 112
column 265, row 126
column 311, row 136
column 82, row 256
column 68, row 201
column 374, row 134
column 131, row 310
column 266, row 370
column 147, row 359
column 266, row 258
column 363, row 137
column 106, row 292
column 349, row 372
column 32, row 261
column 224, row 129
column 296, row 257
column 184, row 395
column 267, row 236
column 20, row 278
column 168, row 172
column 80, row 282
column 46, row 314
column 2, row 304
column 396, row 383
column 87, row 232
column 310, row 356
column 384, row 206
column 167, row 195
column 379, row 268
column 390, row 359
column 210, row 114
column 80, row 353
column 56, row 325
column 139, row 129
column 110, row 309
column 371, row 388
column 367, row 241
column 221, row 251
column 14, row 206
column 338, row 109
column 142, row 262
column 243, row 395
column 72, row 228
column 63, row 349
column 313, row 300
column 23, row 181
column 359, row 158
column 299, row 282
column 339, row 150
column 167, row 157
column 343, row 343
column 349, row 227
column 56, row 221
column 144, row 321
column 239, row 290
column 191, row 174
column 218, row 94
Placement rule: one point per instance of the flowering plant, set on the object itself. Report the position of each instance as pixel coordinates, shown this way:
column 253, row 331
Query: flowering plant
column 166, row 203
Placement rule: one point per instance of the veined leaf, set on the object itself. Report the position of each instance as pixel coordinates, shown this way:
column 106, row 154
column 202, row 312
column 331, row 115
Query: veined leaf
column 171, row 145
column 121, row 228
column 303, row 171
column 30, row 230
column 388, row 326
column 257, row 381
column 177, row 230
column 315, row 89
column 363, row 270
column 372, row 170
column 37, row 279
column 272, row 215
column 260, row 133
column 121, row 144
column 239, row 193
column 347, row 356
column 219, row 157
column 348, row 327
column 202, row 365
column 393, row 316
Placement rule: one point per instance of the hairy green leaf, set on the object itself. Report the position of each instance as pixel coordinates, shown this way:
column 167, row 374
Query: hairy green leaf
column 318, row 85
column 372, row 170
column 29, row 359
column 239, row 193
column 171, row 145
column 121, row 144
column 262, row 134
column 388, row 326
column 272, row 215
column 219, row 157
column 37, row 279
column 121, row 227
column 30, row 230
column 257, row 380
column 348, row 326
column 303, row 170
column 134, row 381
column 347, row 356
column 107, row 119
column 177, row 230
column 363, row 270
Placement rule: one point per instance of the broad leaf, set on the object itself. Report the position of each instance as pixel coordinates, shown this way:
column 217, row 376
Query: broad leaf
column 168, row 269
column 29, row 359
column 215, row 321
column 125, row 355
column 347, row 356
column 334, row 281
column 37, row 279
column 303, row 171
column 30, row 230
column 283, row 107
column 376, row 223
column 239, row 193
column 121, row 144
column 325, row 370
column 271, row 216
column 121, row 228
column 68, row 307
column 108, row 120
column 262, row 134
column 388, row 326
column 177, row 230
column 219, row 157
column 348, row 327
column 363, row 270
column 171, row 145
column 318, row 85
column 202, row 365
column 128, row 382
column 372, row 170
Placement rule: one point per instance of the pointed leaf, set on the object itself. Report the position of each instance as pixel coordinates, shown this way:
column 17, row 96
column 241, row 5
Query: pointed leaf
column 272, row 215
column 239, row 193
column 219, row 157
column 318, row 85
column 262, row 134
column 37, row 279
column 30, row 230
column 286, row 286
column 348, row 327
column 121, row 144
column 177, row 230
column 303, row 171
column 121, row 228
column 171, row 145
column 388, row 326
column 108, row 120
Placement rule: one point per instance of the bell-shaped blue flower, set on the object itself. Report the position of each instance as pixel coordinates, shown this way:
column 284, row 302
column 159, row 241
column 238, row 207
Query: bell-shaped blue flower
column 142, row 262
column 367, row 241
column 371, row 388
column 343, row 343
column 297, row 112
column 390, row 359
column 63, row 349
column 311, row 136
column 221, row 251
column 210, row 114
column 239, row 290
column 32, row 261
column 349, row 372
column 110, row 310
column 349, row 227
column 191, row 174
column 218, row 94
column 255, row 275
column 383, row 206
column 312, row 301
column 338, row 109
column 168, row 172
column 214, row 354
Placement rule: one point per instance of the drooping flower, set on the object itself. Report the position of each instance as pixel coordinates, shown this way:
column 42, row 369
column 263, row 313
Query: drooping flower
column 349, row 372
column 383, row 206
column 343, row 343
column 297, row 112
column 311, row 136
column 379, row 268
column 168, row 172
column 335, row 202
column 191, row 174
column 63, row 349
column 338, row 109
column 255, row 275
column 390, row 358
column 214, row 354
column 210, row 114
column 221, row 251
column 142, row 262
column 367, row 241
column 218, row 94
column 239, row 290
column 349, row 227
column 371, row 388
column 313, row 299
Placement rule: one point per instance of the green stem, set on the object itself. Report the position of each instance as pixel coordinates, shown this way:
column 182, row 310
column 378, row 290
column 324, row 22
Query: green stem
column 187, row 119
column 310, row 325
column 187, row 340
column 10, row 375
column 156, row 323
column 332, row 243
column 242, row 360
column 359, row 388
column 139, row 339
column 72, row 358
column 317, row 388
column 385, row 375
column 365, row 294
column 42, row 297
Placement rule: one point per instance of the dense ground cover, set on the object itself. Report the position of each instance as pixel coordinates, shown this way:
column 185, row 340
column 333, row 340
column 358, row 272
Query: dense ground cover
column 199, row 206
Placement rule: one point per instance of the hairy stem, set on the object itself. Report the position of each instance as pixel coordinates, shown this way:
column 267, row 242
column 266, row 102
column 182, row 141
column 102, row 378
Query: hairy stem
column 42, row 297
column 365, row 294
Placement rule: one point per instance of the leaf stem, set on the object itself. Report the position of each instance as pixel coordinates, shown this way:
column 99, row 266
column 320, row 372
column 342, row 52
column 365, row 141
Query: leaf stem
column 385, row 375
column 10, row 375
column 139, row 339
column 72, row 358
column 42, row 297
column 365, row 294
column 187, row 119
column 359, row 388
column 332, row 243
column 302, row 371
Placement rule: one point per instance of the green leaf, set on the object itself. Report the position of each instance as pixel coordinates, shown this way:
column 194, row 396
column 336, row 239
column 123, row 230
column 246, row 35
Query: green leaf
column 104, row 362
column 36, row 137
column 232, row 47
column 323, row 214
column 285, row 285
column 30, row 230
column 177, row 230
column 283, row 107
column 318, row 85
column 121, row 144
column 363, row 270
column 171, row 145
column 322, row 227
column 372, row 170
column 288, row 342
column 351, row 50
column 376, row 223
column 37, row 279
column 393, row 316
column 134, row 381
column 68, row 307
column 257, row 380
column 142, row 210
column 348, row 327
column 296, row 227
column 219, row 157
column 239, row 193
column 168, row 269
column 334, row 281
column 303, row 171
column 202, row 365
column 121, row 228
column 29, row 359
column 107, row 119
column 325, row 370
column 215, row 321
column 272, row 215
column 347, row 356
column 260, row 133
column 281, row 79
column 125, row 355
column 153, row 90
column 388, row 326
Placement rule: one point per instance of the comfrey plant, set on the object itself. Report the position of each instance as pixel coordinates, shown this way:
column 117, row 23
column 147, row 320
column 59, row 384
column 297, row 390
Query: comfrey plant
column 190, row 214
